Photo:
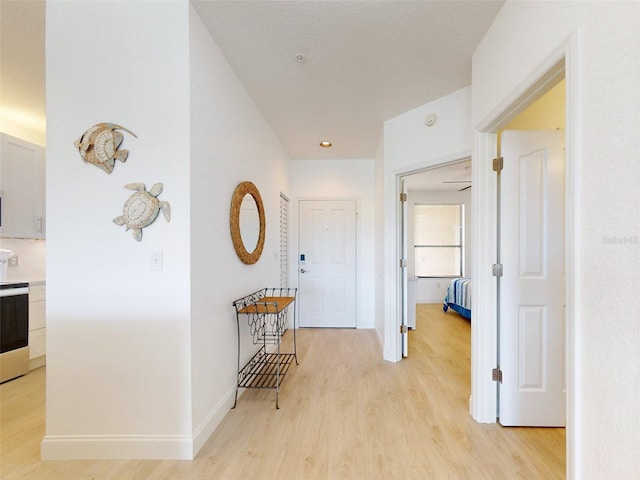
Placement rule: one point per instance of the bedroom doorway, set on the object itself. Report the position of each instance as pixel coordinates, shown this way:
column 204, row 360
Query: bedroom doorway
column 532, row 285
column 429, row 265
column 485, row 401
column 531, row 245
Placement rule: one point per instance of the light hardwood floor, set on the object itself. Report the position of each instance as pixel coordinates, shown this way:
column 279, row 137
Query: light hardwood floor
column 344, row 414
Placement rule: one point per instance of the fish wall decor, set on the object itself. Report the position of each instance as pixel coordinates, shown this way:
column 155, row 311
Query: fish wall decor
column 99, row 145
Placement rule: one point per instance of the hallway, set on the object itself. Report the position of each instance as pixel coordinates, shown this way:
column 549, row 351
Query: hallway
column 344, row 414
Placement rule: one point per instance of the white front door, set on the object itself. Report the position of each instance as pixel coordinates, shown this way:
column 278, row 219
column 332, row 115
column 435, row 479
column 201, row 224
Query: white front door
column 532, row 293
column 327, row 263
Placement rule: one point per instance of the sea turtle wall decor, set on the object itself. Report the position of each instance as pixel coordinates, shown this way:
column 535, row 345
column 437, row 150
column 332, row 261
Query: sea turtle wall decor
column 99, row 145
column 142, row 208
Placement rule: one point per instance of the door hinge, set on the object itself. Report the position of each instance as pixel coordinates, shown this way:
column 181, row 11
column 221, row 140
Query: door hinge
column 403, row 197
column 497, row 270
column 404, row 329
column 496, row 375
column 498, row 164
column 403, row 263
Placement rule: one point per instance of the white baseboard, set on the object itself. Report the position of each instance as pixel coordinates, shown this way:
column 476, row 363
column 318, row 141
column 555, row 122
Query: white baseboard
column 213, row 419
column 116, row 447
column 136, row 447
column 379, row 337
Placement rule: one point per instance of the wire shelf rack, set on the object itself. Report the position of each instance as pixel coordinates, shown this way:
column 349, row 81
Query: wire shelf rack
column 266, row 312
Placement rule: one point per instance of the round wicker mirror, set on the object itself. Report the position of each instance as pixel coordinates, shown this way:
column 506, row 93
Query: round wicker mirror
column 237, row 224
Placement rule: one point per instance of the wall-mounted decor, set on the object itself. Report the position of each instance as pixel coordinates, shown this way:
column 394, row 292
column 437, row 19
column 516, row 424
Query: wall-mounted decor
column 142, row 208
column 99, row 145
column 247, row 222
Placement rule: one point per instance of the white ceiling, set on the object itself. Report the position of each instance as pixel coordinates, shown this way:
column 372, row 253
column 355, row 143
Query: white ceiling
column 365, row 62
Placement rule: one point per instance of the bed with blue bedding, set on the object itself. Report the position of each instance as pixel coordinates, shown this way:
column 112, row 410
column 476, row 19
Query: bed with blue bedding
column 458, row 297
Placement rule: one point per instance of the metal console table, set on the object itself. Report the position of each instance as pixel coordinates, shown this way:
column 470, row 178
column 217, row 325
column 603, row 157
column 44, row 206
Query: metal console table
column 266, row 313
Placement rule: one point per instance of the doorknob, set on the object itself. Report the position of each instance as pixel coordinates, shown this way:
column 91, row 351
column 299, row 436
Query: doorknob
column 302, row 270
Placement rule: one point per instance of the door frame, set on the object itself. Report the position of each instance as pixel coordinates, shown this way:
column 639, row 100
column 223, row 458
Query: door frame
column 404, row 267
column 484, row 345
column 400, row 177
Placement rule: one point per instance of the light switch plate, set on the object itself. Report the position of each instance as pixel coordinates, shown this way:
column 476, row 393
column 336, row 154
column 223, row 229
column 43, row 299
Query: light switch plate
column 156, row 260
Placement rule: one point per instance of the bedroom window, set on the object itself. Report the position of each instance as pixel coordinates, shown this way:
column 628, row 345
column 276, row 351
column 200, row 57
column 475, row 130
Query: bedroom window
column 438, row 240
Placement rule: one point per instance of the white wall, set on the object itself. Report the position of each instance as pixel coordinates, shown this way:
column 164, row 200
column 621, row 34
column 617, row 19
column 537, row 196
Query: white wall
column 230, row 143
column 410, row 145
column 432, row 290
column 604, row 102
column 118, row 354
column 352, row 179
column 141, row 363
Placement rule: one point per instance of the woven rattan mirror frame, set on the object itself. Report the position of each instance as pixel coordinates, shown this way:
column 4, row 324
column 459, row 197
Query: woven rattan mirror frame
column 241, row 190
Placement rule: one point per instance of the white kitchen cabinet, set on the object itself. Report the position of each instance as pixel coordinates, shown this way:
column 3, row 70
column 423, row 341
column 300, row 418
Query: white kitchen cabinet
column 22, row 188
column 37, row 326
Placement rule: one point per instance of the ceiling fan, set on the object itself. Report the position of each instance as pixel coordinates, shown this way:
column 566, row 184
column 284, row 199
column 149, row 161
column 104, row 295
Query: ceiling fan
column 462, row 181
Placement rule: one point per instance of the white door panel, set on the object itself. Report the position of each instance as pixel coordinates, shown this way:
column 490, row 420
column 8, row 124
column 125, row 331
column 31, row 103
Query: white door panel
column 327, row 275
column 532, row 291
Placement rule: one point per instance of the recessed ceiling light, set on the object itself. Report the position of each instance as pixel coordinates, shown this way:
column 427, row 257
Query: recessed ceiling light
column 325, row 144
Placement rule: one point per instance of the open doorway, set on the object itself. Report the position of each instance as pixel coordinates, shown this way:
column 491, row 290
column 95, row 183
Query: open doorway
column 485, row 334
column 546, row 112
column 531, row 284
column 436, row 236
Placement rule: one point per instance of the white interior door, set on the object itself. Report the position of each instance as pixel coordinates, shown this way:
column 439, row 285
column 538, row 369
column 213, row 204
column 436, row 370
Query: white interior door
column 532, row 294
column 327, row 263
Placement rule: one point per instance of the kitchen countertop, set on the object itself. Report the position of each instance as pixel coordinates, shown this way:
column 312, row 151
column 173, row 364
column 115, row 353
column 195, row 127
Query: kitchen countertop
column 32, row 283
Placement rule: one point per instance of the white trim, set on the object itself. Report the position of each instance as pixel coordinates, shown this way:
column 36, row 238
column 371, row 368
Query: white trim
column 483, row 327
column 572, row 207
column 117, row 447
column 484, row 345
column 137, row 447
column 547, row 73
column 208, row 425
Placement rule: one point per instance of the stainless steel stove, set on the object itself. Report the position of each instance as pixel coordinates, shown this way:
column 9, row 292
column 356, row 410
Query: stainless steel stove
column 14, row 330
